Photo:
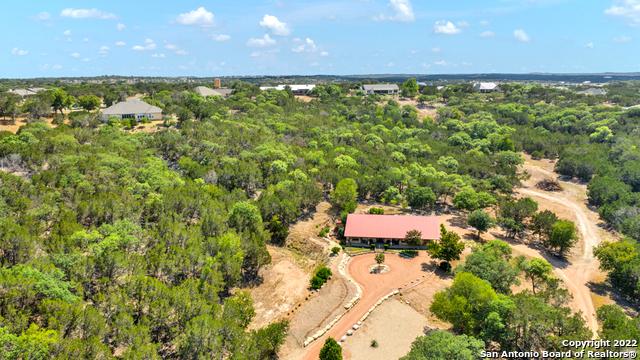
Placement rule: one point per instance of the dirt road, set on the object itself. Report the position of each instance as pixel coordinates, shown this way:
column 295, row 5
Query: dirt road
column 570, row 203
column 403, row 272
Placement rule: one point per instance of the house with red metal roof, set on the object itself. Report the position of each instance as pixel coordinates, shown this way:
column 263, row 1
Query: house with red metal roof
column 367, row 229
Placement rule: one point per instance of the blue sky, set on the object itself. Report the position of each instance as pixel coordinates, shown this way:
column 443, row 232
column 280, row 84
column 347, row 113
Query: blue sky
column 270, row 37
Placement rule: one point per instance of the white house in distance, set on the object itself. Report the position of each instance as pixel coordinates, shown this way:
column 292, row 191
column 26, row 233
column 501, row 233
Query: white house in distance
column 381, row 89
column 132, row 109
column 207, row 91
column 296, row 89
column 486, row 87
column 26, row 92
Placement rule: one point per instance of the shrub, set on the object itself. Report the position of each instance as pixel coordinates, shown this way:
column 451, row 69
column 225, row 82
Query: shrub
column 324, row 231
column 409, row 253
column 316, row 282
column 374, row 343
column 372, row 246
column 376, row 211
column 386, row 247
column 324, row 273
column 321, row 276
column 335, row 250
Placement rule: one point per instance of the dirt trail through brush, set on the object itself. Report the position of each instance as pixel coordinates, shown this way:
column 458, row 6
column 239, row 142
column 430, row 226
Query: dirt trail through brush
column 569, row 203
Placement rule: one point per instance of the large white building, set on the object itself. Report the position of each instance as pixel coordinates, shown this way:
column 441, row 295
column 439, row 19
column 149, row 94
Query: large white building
column 296, row 89
column 486, row 87
column 132, row 109
column 381, row 89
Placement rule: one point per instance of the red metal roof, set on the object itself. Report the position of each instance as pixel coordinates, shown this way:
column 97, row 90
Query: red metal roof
column 391, row 226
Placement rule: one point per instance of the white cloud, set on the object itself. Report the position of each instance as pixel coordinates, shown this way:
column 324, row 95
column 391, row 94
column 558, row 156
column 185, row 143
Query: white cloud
column 19, row 52
column 402, row 11
column 158, row 55
column 521, row 35
column 462, row 24
column 56, row 67
column 622, row 39
column 75, row 55
column 324, row 53
column 85, row 39
column 436, row 50
column 264, row 41
column 199, row 16
column 149, row 44
column 121, row 26
column 308, row 45
column 104, row 50
column 175, row 48
column 274, row 24
column 86, row 14
column 487, row 34
column 589, row 45
column 484, row 23
column 440, row 63
column 221, row 37
column 257, row 54
column 67, row 33
column 120, row 43
column 446, row 28
column 626, row 9
column 42, row 16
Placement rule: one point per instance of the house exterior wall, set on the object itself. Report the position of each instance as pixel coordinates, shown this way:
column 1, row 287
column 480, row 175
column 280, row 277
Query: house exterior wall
column 150, row 116
column 393, row 243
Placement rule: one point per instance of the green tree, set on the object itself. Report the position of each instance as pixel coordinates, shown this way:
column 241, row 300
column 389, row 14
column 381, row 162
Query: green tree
column 331, row 350
column 563, row 236
column 542, row 223
column 447, row 248
column 35, row 343
column 480, row 220
column 471, row 306
column 345, row 194
column 60, row 100
column 89, row 102
column 493, row 262
column 622, row 260
column 421, row 197
column 616, row 325
column 410, row 88
column 538, row 271
column 379, row 259
column 443, row 345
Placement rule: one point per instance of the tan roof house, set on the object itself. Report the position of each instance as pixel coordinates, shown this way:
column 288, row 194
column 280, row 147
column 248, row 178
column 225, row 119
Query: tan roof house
column 132, row 109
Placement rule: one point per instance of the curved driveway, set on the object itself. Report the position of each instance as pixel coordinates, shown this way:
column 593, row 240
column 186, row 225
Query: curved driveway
column 403, row 272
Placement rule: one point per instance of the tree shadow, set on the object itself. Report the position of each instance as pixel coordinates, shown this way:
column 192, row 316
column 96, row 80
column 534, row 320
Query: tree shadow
column 606, row 290
column 555, row 260
column 432, row 267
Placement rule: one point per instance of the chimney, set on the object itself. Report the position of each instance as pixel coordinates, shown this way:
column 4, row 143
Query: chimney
column 216, row 84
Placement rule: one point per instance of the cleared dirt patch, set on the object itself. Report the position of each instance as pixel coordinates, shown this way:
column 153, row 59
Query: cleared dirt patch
column 394, row 325
column 285, row 285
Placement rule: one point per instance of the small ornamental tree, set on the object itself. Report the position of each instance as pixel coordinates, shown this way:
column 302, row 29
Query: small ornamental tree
column 379, row 259
column 447, row 249
column 331, row 350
